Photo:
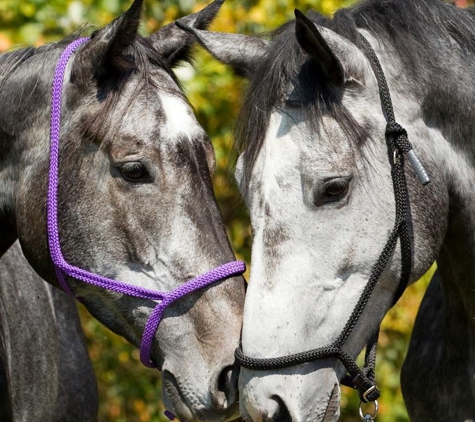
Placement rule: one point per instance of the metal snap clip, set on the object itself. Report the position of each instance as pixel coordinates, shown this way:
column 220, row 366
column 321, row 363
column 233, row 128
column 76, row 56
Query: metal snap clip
column 368, row 417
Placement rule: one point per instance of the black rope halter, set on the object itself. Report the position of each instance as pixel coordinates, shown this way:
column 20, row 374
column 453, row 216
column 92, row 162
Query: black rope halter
column 399, row 147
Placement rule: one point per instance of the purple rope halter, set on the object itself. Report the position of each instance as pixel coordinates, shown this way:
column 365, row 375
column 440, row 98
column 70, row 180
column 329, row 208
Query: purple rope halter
column 63, row 268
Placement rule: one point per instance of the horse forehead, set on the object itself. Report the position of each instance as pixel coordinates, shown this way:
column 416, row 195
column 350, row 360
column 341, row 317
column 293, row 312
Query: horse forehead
column 179, row 119
column 290, row 141
column 170, row 118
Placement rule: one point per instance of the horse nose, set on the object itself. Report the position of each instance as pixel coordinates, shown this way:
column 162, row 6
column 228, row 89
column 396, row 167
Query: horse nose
column 281, row 412
column 281, row 398
column 225, row 392
column 272, row 409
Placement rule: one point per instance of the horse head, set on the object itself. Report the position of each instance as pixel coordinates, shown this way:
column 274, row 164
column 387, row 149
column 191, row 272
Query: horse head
column 316, row 172
column 135, row 198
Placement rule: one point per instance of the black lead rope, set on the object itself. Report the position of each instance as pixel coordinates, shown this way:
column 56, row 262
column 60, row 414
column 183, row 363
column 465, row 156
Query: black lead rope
column 399, row 147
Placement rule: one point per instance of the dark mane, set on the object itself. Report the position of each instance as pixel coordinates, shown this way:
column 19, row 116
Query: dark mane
column 416, row 29
column 10, row 61
column 140, row 59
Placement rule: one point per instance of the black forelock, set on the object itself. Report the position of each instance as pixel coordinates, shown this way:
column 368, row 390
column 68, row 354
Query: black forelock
column 287, row 65
column 414, row 28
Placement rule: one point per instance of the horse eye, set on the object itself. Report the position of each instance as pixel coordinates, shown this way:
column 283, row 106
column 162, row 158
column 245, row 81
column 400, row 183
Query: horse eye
column 336, row 188
column 319, row 193
column 134, row 171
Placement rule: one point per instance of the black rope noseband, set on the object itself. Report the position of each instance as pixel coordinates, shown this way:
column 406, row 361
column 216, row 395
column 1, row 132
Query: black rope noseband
column 399, row 147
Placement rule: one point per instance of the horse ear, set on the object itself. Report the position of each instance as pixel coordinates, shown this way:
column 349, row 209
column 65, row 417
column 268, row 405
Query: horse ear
column 104, row 54
column 241, row 52
column 340, row 60
column 175, row 45
column 315, row 45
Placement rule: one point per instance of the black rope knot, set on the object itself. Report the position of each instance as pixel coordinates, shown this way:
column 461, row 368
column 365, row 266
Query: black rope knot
column 394, row 130
column 398, row 136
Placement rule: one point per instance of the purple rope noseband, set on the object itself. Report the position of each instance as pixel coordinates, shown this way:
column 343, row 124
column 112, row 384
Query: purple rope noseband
column 63, row 268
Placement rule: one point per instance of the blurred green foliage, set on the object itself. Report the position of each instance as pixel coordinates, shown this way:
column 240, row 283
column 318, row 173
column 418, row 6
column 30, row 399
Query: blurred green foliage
column 128, row 391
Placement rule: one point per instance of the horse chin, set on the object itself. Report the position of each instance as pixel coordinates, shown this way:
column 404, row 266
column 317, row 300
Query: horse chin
column 173, row 398
column 190, row 409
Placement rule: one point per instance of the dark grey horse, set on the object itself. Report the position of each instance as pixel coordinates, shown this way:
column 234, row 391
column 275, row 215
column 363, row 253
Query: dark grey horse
column 45, row 371
column 315, row 173
column 136, row 202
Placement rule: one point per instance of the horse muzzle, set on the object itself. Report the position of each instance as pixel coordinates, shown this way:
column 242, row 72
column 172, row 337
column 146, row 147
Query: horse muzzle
column 290, row 397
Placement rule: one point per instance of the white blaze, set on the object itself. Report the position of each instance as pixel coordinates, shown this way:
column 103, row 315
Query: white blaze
column 180, row 119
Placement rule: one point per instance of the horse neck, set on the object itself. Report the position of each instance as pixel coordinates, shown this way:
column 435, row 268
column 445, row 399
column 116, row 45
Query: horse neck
column 440, row 353
column 455, row 156
column 442, row 344
column 25, row 86
column 437, row 106
column 456, row 259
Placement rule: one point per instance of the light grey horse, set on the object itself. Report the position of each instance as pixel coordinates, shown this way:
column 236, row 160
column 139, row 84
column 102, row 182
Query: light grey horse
column 45, row 371
column 316, row 174
column 136, row 202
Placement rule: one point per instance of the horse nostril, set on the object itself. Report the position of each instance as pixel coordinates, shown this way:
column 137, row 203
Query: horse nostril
column 227, row 385
column 281, row 413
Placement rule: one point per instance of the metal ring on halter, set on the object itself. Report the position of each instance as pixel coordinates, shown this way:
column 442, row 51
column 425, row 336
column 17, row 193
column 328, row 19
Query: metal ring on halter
column 368, row 417
column 366, row 393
